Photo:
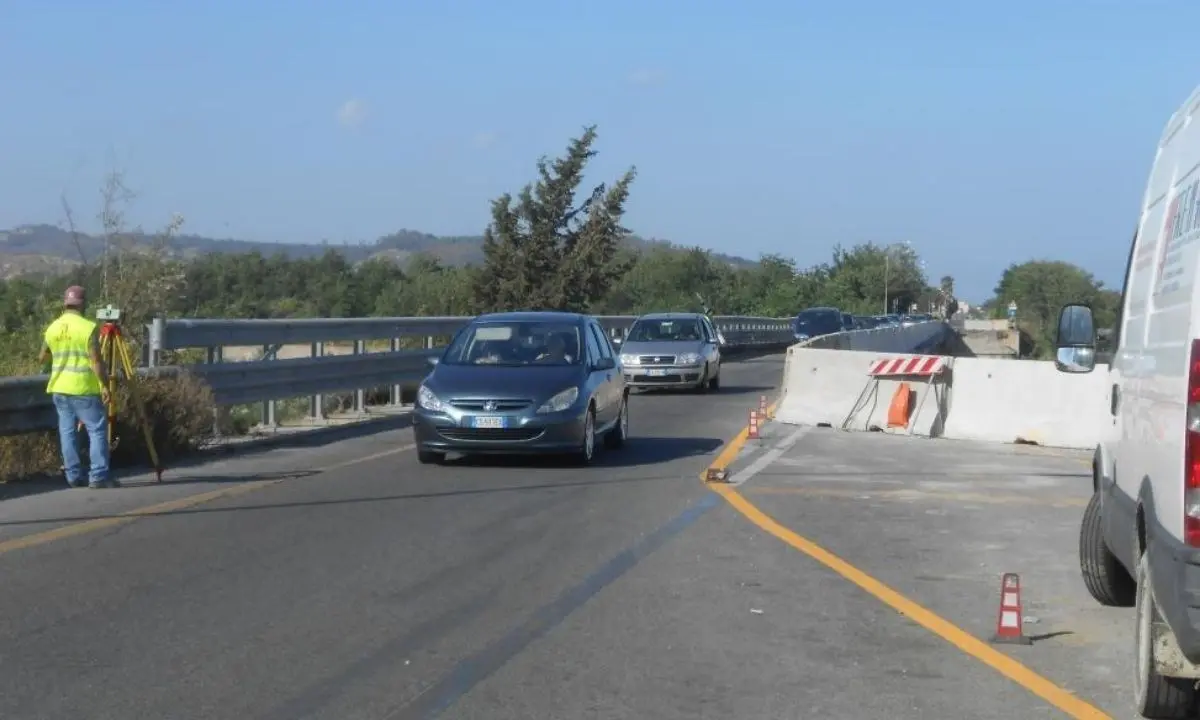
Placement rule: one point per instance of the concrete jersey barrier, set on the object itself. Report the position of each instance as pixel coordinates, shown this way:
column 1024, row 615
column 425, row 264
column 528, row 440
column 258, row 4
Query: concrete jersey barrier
column 1010, row 401
column 992, row 400
column 920, row 337
column 823, row 388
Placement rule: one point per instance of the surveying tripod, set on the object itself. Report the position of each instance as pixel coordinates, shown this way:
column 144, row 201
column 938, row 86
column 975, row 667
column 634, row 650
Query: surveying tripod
column 117, row 361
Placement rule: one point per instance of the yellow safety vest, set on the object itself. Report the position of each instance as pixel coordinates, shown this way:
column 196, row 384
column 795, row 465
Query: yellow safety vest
column 69, row 339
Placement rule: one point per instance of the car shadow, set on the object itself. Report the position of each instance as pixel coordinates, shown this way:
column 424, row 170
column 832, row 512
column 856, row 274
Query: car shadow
column 637, row 451
column 723, row 390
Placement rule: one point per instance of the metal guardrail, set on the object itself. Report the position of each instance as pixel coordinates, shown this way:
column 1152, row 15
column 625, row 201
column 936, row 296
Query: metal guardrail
column 25, row 407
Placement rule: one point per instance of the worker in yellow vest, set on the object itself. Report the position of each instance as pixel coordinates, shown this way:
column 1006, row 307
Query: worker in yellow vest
column 72, row 348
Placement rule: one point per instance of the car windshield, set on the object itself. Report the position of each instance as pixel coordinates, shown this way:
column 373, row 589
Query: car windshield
column 818, row 322
column 515, row 343
column 647, row 330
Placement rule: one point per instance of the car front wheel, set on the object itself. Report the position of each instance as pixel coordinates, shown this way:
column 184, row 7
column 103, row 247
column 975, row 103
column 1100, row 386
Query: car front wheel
column 587, row 449
column 1105, row 578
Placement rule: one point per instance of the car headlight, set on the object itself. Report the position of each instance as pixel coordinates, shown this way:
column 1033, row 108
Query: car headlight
column 561, row 401
column 629, row 360
column 689, row 359
column 429, row 401
column 801, row 336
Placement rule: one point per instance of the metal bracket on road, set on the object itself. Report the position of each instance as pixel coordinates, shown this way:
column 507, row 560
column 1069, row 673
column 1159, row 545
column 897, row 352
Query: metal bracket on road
column 716, row 475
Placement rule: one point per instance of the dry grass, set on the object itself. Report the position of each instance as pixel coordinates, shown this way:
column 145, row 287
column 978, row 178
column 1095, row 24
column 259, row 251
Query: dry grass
column 179, row 414
column 179, row 410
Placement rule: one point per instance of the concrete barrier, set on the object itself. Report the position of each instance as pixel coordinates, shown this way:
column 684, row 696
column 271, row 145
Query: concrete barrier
column 825, row 388
column 920, row 337
column 1011, row 401
column 993, row 400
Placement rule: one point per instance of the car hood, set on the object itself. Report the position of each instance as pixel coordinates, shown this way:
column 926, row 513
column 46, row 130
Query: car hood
column 661, row 347
column 532, row 382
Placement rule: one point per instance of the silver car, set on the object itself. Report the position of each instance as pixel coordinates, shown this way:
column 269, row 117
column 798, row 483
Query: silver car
column 664, row 350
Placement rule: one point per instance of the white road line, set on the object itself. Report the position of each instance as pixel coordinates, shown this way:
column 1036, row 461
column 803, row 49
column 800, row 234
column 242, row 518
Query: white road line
column 764, row 461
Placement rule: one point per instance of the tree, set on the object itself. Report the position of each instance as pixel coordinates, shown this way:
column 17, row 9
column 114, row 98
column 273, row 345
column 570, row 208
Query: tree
column 1040, row 288
column 544, row 252
column 860, row 278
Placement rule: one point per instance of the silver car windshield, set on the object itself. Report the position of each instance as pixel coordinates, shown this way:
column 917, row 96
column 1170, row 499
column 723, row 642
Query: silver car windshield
column 665, row 331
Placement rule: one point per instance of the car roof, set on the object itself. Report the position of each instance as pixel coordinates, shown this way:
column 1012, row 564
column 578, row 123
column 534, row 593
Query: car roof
column 532, row 316
column 670, row 316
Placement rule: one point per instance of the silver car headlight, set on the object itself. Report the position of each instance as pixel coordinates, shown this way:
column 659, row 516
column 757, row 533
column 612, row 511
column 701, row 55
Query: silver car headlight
column 429, row 401
column 629, row 359
column 562, row 401
column 690, row 358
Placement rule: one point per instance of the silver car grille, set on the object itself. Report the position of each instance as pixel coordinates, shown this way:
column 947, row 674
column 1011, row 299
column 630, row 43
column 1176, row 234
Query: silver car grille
column 656, row 359
column 490, row 404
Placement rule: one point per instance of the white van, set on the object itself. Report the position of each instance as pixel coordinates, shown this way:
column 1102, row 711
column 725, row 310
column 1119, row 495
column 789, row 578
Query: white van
column 1140, row 539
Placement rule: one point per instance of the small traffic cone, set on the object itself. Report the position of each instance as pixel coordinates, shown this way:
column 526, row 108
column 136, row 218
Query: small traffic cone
column 753, row 427
column 1010, row 622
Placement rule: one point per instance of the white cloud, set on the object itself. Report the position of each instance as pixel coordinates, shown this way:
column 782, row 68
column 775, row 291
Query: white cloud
column 352, row 113
column 647, row 76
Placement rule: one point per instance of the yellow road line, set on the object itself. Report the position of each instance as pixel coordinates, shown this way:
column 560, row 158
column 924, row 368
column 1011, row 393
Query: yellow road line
column 1007, row 666
column 901, row 495
column 105, row 523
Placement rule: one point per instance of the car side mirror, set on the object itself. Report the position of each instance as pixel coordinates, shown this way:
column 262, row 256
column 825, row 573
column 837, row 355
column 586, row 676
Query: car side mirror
column 432, row 360
column 605, row 363
column 1075, row 340
column 616, row 341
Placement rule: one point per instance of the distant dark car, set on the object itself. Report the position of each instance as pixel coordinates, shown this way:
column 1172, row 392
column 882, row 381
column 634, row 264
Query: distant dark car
column 523, row 382
column 815, row 322
column 672, row 350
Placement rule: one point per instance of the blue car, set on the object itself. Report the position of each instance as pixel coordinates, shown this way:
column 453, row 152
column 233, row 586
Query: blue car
column 523, row 382
column 815, row 322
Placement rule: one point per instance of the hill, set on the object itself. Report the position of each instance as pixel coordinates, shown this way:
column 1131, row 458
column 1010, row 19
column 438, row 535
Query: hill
column 30, row 249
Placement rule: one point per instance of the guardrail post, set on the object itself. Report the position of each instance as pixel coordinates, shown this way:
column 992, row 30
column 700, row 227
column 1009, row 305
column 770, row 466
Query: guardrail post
column 360, row 395
column 154, row 340
column 267, row 416
column 396, row 398
column 213, row 355
column 316, row 403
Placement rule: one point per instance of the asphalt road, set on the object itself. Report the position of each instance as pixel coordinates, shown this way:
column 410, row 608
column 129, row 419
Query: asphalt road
column 345, row 581
column 359, row 584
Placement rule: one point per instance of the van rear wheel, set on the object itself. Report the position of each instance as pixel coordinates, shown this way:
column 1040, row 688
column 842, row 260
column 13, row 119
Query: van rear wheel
column 1106, row 579
column 1158, row 697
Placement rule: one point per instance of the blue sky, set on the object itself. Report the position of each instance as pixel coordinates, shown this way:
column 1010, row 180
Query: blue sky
column 984, row 133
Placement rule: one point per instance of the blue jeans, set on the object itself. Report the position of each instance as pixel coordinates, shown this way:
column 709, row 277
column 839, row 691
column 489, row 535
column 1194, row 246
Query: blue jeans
column 89, row 410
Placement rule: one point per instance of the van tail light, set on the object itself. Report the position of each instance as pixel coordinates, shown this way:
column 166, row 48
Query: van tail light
column 1191, row 452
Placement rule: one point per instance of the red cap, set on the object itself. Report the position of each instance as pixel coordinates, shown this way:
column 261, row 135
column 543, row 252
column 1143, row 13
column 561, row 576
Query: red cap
column 74, row 296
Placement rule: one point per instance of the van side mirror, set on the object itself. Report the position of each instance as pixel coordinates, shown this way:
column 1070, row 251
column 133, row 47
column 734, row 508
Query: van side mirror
column 1075, row 341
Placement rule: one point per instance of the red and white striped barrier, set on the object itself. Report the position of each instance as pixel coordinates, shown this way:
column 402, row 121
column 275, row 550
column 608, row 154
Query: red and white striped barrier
column 908, row 365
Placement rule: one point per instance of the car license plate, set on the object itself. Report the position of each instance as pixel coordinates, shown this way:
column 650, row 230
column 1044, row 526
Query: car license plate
column 489, row 421
column 658, row 372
